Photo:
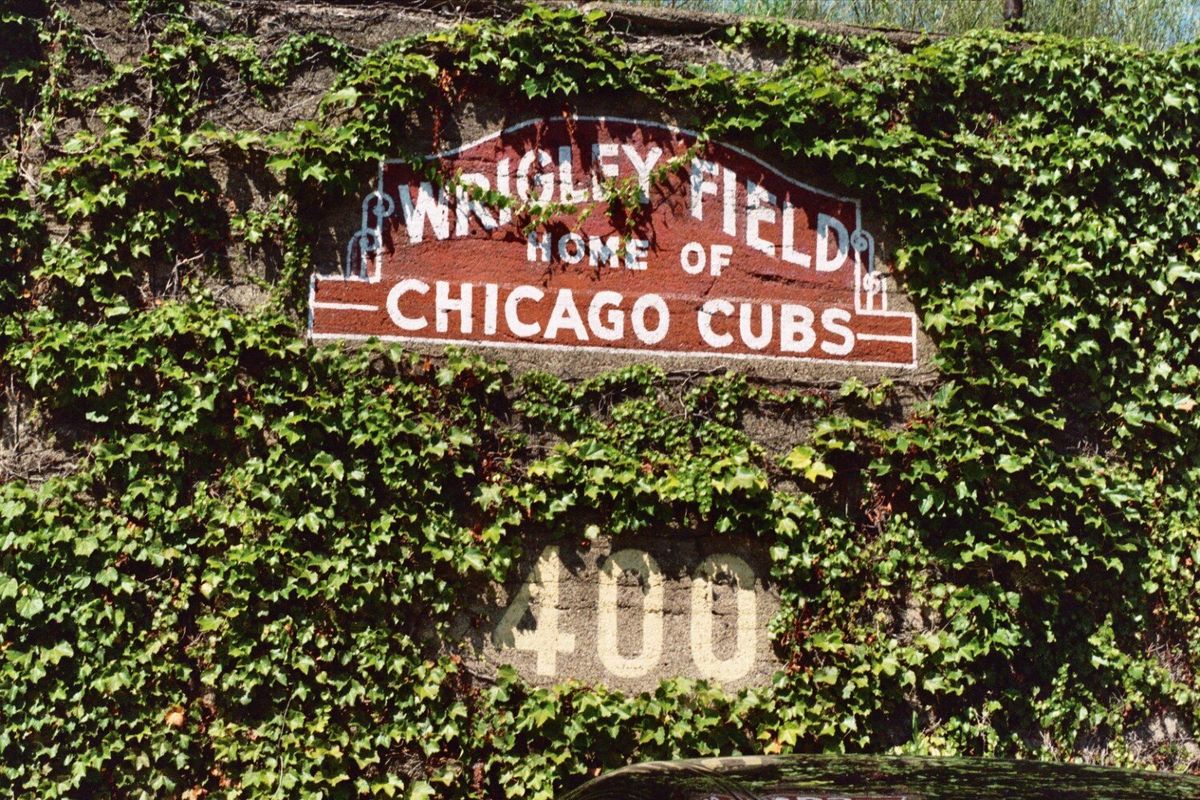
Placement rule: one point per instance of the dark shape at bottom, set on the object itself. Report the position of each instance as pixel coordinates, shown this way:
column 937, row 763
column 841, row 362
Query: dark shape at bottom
column 814, row 777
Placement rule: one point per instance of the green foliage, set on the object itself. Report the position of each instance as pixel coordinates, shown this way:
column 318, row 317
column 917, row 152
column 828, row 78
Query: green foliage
column 145, row 199
column 21, row 59
column 1147, row 23
column 544, row 53
column 249, row 586
column 802, row 45
column 21, row 234
column 22, row 237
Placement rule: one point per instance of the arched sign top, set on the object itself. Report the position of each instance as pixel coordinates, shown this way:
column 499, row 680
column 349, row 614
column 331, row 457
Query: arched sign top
column 724, row 255
column 687, row 135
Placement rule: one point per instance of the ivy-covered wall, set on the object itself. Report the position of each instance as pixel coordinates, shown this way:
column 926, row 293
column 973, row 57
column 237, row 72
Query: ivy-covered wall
column 227, row 556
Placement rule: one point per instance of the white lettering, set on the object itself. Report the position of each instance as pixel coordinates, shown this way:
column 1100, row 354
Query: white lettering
column 636, row 252
column 640, row 307
column 437, row 213
column 565, row 315
column 824, row 262
column 760, row 208
column 830, row 318
column 571, row 248
column 443, row 305
column 729, row 198
column 766, row 316
column 704, row 322
column 700, row 186
column 720, row 257
column 522, row 329
column 601, row 151
column 692, row 258
column 789, row 238
column 603, row 250
column 504, row 216
column 615, row 328
column 538, row 246
column 393, row 304
column 796, row 320
column 566, row 182
column 643, row 168
column 491, row 302
column 464, row 206
column 544, row 180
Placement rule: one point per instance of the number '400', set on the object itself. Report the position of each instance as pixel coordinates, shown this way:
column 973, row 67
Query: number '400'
column 547, row 639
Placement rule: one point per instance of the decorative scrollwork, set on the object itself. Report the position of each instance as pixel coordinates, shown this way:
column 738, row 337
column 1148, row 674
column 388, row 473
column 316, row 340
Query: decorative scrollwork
column 874, row 284
column 862, row 241
column 367, row 241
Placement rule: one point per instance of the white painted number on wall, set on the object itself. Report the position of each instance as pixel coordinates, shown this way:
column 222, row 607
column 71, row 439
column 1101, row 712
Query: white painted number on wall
column 547, row 639
column 703, row 652
column 652, row 614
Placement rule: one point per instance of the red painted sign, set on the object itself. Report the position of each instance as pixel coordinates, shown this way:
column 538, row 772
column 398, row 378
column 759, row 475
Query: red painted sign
column 727, row 258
